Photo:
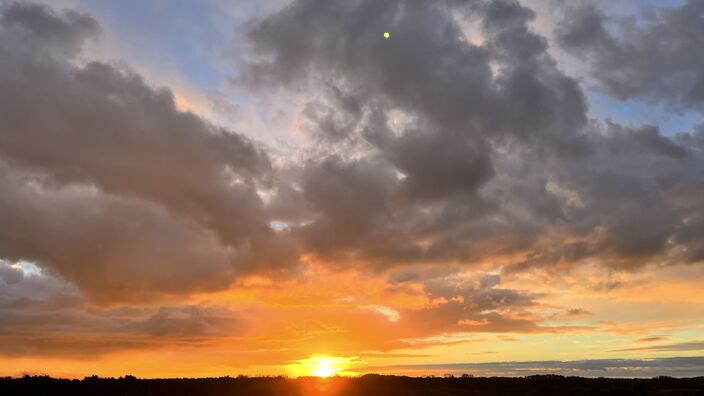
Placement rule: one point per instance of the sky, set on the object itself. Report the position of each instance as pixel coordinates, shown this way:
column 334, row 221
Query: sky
column 273, row 187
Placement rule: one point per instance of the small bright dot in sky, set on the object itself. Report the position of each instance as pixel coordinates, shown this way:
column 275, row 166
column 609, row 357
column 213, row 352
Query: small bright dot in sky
column 387, row 35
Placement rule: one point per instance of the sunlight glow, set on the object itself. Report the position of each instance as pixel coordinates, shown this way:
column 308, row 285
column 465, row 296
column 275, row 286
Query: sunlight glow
column 319, row 366
column 323, row 370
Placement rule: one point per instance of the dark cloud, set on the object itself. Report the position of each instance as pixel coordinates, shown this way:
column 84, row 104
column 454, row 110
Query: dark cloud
column 45, row 32
column 430, row 76
column 446, row 151
column 461, row 305
column 111, row 247
column 42, row 315
column 429, row 70
column 186, row 322
column 468, row 151
column 655, row 59
column 113, row 187
column 350, row 200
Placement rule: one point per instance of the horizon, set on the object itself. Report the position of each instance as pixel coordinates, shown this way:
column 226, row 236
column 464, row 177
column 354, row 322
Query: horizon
column 593, row 368
column 200, row 189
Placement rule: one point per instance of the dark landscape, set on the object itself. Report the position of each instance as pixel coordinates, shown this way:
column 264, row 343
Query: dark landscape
column 367, row 385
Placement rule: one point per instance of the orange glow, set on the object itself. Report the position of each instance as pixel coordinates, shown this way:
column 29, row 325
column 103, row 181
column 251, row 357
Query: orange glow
column 319, row 366
column 348, row 322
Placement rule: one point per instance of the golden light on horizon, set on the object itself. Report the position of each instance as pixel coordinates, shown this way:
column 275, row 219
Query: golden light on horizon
column 323, row 369
column 319, row 366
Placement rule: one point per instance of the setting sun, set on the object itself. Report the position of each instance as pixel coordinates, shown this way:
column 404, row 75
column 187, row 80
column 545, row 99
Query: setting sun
column 323, row 369
column 319, row 366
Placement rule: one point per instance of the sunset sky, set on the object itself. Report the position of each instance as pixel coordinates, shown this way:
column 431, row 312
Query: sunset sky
column 263, row 187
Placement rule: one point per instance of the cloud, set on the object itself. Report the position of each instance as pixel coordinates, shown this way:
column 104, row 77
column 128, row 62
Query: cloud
column 10, row 274
column 391, row 314
column 42, row 315
column 487, row 154
column 454, row 152
column 680, row 346
column 652, row 339
column 112, row 186
column 186, row 322
column 461, row 305
column 130, row 244
column 623, row 368
column 651, row 60
column 573, row 312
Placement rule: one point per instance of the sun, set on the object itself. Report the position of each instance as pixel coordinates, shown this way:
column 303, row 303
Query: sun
column 322, row 366
column 323, row 369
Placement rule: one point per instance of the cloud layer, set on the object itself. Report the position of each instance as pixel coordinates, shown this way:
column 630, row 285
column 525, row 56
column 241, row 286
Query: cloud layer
column 653, row 60
column 617, row 368
column 111, row 185
column 460, row 152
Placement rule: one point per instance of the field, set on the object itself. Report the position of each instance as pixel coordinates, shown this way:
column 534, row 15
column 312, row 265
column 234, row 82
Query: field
column 368, row 385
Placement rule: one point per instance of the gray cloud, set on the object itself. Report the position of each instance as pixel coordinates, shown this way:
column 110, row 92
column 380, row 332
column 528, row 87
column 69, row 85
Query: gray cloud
column 655, row 60
column 112, row 186
column 10, row 275
column 477, row 305
column 623, row 368
column 473, row 156
column 42, row 315
column 480, row 150
column 457, row 107
column 186, row 322
column 460, row 305
column 111, row 247
column 690, row 346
